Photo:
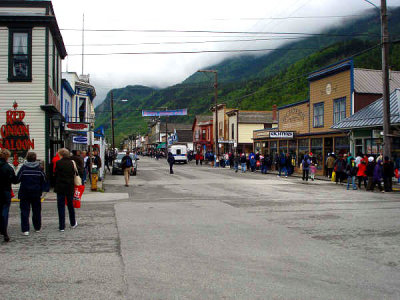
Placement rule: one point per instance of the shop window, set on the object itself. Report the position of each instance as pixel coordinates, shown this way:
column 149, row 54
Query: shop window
column 339, row 110
column 233, row 132
column 283, row 145
column 82, row 109
column 316, row 149
column 373, row 146
column 318, row 115
column 203, row 134
column 273, row 148
column 20, row 55
column 359, row 147
column 221, row 134
column 342, row 145
column 304, row 148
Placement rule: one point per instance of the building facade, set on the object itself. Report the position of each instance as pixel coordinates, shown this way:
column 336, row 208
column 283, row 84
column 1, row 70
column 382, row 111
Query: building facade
column 31, row 51
column 203, row 138
column 336, row 93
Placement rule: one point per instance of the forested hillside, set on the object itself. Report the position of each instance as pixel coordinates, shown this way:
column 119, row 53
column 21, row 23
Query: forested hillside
column 249, row 82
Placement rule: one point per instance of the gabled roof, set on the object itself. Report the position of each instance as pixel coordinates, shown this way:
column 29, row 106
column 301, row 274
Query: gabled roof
column 372, row 115
column 202, row 120
column 368, row 81
column 255, row 117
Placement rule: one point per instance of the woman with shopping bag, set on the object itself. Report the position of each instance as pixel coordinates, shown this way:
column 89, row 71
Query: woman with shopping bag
column 65, row 188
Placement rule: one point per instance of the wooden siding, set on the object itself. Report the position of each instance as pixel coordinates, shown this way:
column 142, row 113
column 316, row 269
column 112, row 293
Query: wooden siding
column 340, row 87
column 29, row 95
column 294, row 118
column 246, row 132
column 23, row 10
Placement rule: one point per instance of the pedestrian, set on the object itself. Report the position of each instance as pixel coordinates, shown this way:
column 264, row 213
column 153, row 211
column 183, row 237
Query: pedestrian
column 197, row 158
column 362, row 172
column 370, row 172
column 305, row 164
column 171, row 161
column 32, row 183
column 330, row 164
column 236, row 162
column 340, row 168
column 378, row 175
column 243, row 162
column 7, row 177
column 263, row 165
column 252, row 159
column 88, row 166
column 76, row 157
column 313, row 170
column 126, row 166
column 84, row 159
column 64, row 188
column 97, row 159
column 107, row 162
column 201, row 158
column 282, row 165
column 388, row 173
column 351, row 171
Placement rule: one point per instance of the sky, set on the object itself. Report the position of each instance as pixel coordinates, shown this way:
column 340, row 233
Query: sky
column 131, row 21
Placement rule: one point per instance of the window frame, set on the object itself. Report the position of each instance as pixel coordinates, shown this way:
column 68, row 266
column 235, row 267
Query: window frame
column 11, row 31
column 318, row 105
column 339, row 100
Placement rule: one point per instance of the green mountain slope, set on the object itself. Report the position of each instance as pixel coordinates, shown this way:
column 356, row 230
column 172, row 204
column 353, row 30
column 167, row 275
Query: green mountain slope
column 276, row 78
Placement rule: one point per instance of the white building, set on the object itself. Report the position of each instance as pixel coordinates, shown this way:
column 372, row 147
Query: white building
column 31, row 50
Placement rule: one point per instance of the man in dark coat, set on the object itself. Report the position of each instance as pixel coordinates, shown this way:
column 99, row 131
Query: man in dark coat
column 388, row 173
column 32, row 185
column 171, row 161
column 76, row 157
column 64, row 188
column 7, row 177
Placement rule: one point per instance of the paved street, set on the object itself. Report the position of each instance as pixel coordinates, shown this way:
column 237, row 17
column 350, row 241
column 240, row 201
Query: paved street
column 207, row 233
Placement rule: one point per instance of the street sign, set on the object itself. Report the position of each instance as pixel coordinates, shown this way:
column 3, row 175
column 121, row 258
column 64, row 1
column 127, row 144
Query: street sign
column 164, row 113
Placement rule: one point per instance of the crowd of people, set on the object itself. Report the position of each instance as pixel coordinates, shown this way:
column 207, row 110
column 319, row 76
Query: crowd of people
column 66, row 167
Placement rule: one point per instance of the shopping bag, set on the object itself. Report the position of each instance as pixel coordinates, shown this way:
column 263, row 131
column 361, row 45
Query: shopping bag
column 396, row 173
column 258, row 163
column 78, row 192
column 333, row 176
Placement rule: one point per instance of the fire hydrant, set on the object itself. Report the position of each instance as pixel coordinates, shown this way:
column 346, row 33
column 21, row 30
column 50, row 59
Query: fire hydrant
column 95, row 178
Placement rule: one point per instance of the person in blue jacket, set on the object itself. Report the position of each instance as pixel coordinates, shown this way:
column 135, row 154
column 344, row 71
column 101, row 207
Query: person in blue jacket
column 33, row 182
column 253, row 162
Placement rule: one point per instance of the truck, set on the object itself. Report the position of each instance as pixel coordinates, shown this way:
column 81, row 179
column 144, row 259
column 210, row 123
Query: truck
column 179, row 152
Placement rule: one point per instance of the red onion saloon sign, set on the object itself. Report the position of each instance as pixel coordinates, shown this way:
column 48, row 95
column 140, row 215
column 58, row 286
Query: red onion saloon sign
column 15, row 135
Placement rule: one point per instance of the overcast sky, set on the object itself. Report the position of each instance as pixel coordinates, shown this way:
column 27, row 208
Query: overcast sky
column 162, row 70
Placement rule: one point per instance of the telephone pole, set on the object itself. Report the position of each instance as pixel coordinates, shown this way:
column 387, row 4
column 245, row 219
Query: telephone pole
column 387, row 140
column 112, row 121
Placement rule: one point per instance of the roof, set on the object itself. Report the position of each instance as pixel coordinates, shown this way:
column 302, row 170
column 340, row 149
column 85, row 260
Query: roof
column 372, row 115
column 331, row 69
column 203, row 118
column 368, row 81
column 255, row 117
column 171, row 127
column 293, row 104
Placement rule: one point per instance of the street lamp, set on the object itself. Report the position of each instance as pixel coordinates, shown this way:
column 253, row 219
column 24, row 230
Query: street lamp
column 112, row 118
column 216, row 106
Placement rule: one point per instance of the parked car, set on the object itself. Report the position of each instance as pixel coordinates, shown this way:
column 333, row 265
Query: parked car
column 116, row 168
column 179, row 152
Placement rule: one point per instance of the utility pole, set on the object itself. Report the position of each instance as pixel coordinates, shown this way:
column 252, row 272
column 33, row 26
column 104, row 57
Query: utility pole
column 166, row 134
column 387, row 140
column 112, row 121
column 216, row 107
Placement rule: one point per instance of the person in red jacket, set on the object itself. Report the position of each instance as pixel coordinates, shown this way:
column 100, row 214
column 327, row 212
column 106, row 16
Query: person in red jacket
column 361, row 173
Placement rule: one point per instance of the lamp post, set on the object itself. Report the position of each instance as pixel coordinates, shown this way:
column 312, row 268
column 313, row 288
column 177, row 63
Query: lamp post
column 216, row 107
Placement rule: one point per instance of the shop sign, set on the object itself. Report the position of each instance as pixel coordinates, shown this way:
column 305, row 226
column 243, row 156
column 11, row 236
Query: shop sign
column 82, row 127
column 281, row 134
column 80, row 140
column 222, row 141
column 15, row 135
column 261, row 134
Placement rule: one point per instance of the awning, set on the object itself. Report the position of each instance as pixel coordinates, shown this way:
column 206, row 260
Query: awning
column 161, row 146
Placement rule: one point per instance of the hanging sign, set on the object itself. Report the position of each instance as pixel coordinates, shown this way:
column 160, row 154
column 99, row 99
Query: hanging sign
column 164, row 113
column 81, row 127
column 15, row 135
column 80, row 139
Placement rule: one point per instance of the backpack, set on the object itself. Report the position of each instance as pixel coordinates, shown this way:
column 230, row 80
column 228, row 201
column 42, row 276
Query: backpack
column 305, row 163
column 128, row 162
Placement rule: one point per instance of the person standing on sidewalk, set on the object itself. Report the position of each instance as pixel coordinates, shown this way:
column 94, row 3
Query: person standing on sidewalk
column 171, row 161
column 305, row 164
column 80, row 165
column 243, row 162
column 7, row 177
column 126, row 166
column 236, row 162
column 33, row 183
column 64, row 188
column 330, row 163
column 351, row 171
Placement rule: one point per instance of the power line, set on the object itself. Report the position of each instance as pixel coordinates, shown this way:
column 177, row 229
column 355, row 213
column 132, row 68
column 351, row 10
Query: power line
column 287, row 18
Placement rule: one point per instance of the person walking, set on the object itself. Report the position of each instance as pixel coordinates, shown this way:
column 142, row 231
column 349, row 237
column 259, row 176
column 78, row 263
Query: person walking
column 362, row 172
column 340, row 168
column 351, row 171
column 282, row 165
column 236, row 162
column 243, row 162
column 126, row 166
column 84, row 159
column 330, row 164
column 171, row 161
column 65, row 172
column 388, row 173
column 7, row 177
column 32, row 183
column 313, row 170
column 305, row 164
column 107, row 162
column 370, row 172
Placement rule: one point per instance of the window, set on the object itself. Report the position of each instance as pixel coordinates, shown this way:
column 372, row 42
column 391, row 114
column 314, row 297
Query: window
column 20, row 55
column 82, row 109
column 318, row 115
column 220, row 129
column 233, row 131
column 203, row 134
column 339, row 110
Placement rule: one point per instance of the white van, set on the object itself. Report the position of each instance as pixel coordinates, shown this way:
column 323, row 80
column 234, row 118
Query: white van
column 179, row 152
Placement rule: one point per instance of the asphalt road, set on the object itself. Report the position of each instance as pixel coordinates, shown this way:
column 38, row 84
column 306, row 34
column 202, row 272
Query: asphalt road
column 206, row 233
